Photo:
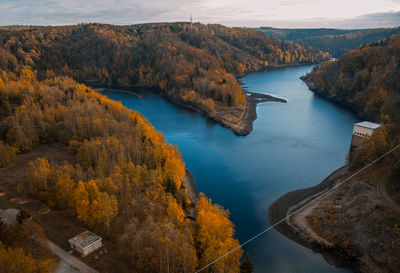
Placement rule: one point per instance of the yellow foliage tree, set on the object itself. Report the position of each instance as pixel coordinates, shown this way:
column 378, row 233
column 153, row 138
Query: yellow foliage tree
column 16, row 261
column 81, row 202
column 39, row 173
column 65, row 192
column 7, row 153
column 174, row 169
column 215, row 237
column 175, row 212
column 108, row 208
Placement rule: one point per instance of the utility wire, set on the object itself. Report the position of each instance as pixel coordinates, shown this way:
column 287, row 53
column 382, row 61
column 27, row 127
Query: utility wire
column 395, row 196
column 301, row 208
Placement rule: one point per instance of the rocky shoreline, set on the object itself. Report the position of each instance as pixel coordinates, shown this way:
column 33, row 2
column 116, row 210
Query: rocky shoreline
column 188, row 180
column 241, row 128
column 353, row 226
column 333, row 254
column 245, row 125
column 250, row 113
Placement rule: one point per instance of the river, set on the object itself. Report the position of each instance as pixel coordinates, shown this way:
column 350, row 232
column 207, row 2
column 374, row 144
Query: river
column 294, row 145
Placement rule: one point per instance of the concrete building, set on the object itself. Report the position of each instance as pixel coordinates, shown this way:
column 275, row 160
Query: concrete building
column 85, row 243
column 362, row 131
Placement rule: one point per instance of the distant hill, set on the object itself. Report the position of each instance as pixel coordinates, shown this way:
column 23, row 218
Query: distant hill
column 335, row 41
column 193, row 65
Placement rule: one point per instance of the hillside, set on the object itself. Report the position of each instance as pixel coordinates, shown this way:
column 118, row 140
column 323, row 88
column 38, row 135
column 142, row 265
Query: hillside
column 358, row 222
column 366, row 80
column 115, row 174
column 335, row 41
column 193, row 65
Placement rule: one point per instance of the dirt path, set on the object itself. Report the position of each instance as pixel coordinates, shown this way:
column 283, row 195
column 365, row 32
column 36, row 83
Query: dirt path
column 63, row 267
column 299, row 223
column 69, row 259
column 295, row 199
column 356, row 225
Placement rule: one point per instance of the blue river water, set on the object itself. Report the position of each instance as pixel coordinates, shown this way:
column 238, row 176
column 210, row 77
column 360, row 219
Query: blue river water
column 294, row 145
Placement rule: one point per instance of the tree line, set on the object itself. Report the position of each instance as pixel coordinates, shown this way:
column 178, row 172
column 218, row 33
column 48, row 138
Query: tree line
column 125, row 180
column 192, row 63
column 335, row 41
column 367, row 80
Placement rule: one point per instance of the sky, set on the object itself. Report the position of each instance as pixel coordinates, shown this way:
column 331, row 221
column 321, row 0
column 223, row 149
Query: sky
column 248, row 13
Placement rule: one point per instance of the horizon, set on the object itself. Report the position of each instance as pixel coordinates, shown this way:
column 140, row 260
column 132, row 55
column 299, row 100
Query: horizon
column 342, row 14
column 188, row 22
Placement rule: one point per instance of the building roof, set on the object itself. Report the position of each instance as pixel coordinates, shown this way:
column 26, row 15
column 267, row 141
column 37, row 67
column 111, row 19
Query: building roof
column 84, row 239
column 369, row 125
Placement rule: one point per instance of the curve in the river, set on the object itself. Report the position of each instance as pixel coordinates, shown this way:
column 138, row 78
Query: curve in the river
column 293, row 145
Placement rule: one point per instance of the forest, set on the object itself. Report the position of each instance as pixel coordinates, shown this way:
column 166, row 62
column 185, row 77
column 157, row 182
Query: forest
column 21, row 249
column 194, row 64
column 125, row 180
column 367, row 80
column 335, row 41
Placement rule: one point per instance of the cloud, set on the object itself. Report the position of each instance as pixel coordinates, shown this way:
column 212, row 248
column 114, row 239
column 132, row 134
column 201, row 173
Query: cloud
column 373, row 20
column 73, row 11
column 283, row 13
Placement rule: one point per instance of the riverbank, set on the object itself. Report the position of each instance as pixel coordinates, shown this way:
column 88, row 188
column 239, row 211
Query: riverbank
column 270, row 67
column 352, row 226
column 188, row 180
column 245, row 127
column 237, row 119
column 120, row 90
column 293, row 200
column 216, row 158
column 311, row 86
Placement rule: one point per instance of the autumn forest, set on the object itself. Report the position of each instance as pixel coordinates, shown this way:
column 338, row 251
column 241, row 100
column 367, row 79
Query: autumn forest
column 192, row 64
column 125, row 180
column 119, row 176
column 366, row 80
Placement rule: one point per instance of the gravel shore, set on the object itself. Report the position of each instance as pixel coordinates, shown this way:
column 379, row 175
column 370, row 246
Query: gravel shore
column 293, row 227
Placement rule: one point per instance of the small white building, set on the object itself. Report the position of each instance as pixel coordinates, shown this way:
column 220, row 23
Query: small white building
column 85, row 243
column 362, row 131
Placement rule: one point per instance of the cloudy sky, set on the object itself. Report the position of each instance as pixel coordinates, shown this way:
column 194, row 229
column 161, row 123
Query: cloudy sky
column 275, row 13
